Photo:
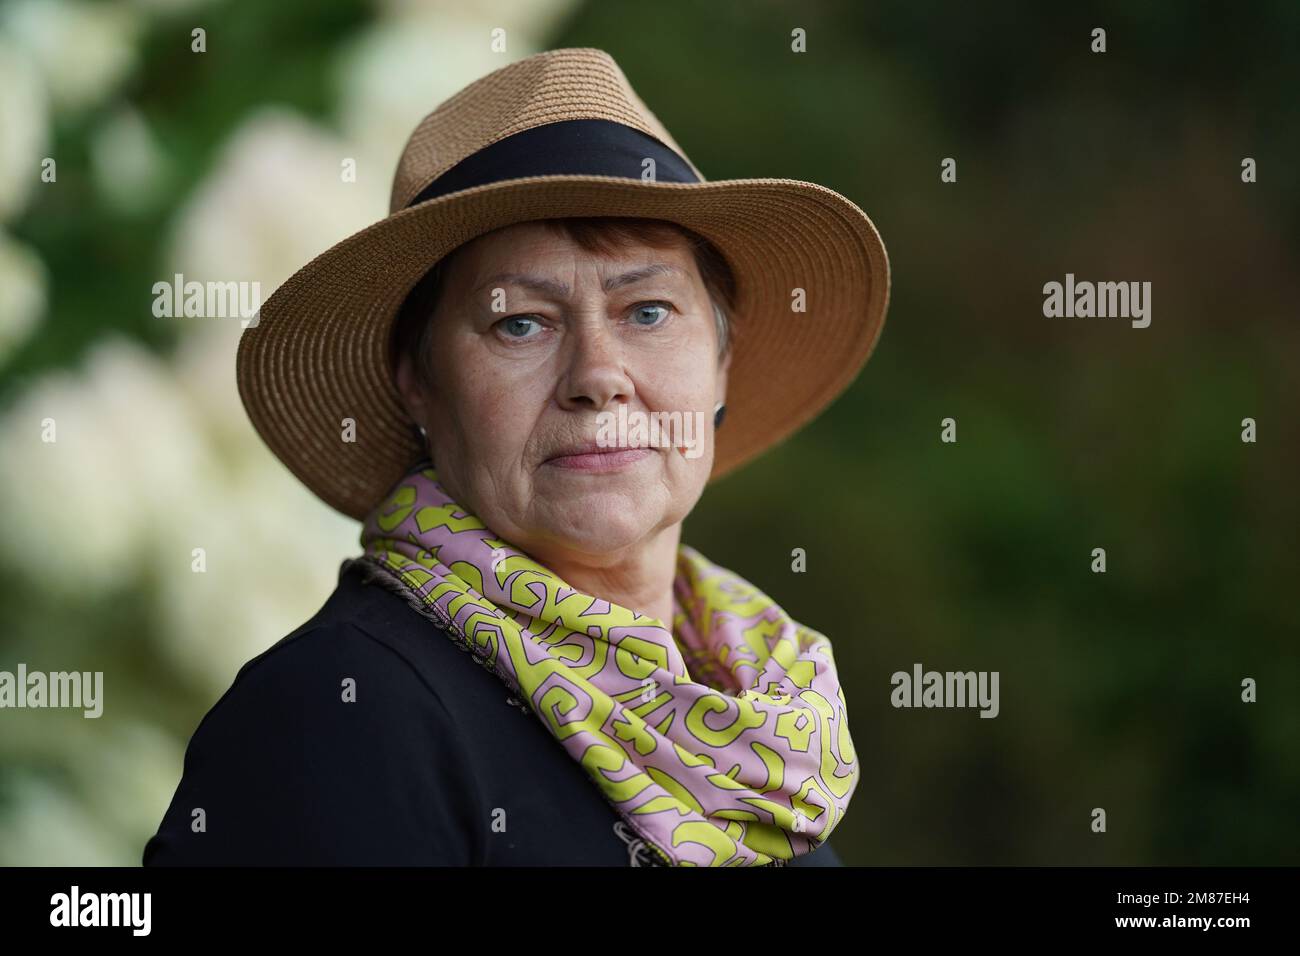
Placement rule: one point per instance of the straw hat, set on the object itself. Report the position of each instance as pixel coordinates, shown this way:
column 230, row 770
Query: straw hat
column 557, row 134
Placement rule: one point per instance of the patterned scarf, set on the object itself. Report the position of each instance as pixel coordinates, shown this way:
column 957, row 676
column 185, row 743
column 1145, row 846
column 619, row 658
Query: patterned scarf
column 724, row 742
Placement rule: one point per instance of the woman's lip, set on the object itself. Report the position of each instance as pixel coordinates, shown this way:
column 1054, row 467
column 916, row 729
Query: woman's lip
column 611, row 460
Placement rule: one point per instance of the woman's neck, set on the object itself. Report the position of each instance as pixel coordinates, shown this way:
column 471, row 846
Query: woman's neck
column 639, row 579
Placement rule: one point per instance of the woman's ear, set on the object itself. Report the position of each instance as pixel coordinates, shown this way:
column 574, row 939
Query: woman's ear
column 724, row 366
column 410, row 388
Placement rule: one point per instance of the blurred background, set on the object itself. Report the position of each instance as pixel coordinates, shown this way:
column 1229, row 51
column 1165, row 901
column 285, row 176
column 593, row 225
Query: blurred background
column 1119, row 690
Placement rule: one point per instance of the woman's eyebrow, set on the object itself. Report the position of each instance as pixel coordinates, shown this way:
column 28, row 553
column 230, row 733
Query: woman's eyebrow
column 561, row 290
column 636, row 275
column 550, row 287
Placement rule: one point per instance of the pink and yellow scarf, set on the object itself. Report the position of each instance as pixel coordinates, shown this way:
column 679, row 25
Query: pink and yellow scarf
column 723, row 742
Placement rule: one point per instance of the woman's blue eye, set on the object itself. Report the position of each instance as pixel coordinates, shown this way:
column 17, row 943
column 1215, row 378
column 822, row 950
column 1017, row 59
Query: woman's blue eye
column 517, row 326
column 641, row 310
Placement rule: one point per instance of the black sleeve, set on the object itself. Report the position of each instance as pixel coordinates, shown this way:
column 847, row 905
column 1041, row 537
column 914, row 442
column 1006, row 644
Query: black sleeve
column 286, row 771
column 824, row 855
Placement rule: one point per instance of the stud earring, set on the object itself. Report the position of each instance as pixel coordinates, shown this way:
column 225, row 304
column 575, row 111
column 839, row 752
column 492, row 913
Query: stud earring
column 423, row 441
column 719, row 411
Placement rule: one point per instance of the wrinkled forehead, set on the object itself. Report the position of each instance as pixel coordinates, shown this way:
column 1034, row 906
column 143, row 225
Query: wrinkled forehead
column 536, row 250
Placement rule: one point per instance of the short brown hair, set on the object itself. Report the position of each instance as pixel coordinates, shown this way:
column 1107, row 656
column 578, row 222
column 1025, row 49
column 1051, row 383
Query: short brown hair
column 596, row 234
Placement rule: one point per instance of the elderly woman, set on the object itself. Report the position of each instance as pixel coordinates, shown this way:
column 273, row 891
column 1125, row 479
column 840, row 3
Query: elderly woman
column 526, row 665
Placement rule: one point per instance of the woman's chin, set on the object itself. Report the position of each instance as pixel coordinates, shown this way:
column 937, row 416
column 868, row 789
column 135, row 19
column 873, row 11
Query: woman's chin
column 602, row 524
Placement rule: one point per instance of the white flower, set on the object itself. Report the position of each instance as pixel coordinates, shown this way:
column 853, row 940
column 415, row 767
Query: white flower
column 153, row 460
column 272, row 549
column 395, row 75
column 45, row 825
column 272, row 558
column 126, row 454
column 533, row 20
column 127, row 771
column 22, row 277
column 84, row 49
column 117, row 777
column 25, row 122
column 424, row 51
column 275, row 200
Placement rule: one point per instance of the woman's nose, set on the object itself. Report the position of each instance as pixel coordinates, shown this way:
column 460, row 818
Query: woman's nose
column 594, row 374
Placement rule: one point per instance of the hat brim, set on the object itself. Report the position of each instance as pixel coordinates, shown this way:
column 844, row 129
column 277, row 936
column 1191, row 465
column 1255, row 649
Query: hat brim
column 318, row 352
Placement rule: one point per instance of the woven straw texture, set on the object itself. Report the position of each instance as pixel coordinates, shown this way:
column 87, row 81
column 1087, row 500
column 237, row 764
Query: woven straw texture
column 319, row 352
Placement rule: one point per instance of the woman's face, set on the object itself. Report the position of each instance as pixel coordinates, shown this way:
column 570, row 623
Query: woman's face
column 536, row 344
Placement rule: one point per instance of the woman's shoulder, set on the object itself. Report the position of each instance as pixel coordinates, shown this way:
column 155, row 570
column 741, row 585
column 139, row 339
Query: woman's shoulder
column 363, row 616
column 357, row 658
column 332, row 746
column 363, row 646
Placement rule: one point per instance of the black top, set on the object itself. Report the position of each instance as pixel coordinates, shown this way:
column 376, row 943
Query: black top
column 432, row 764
